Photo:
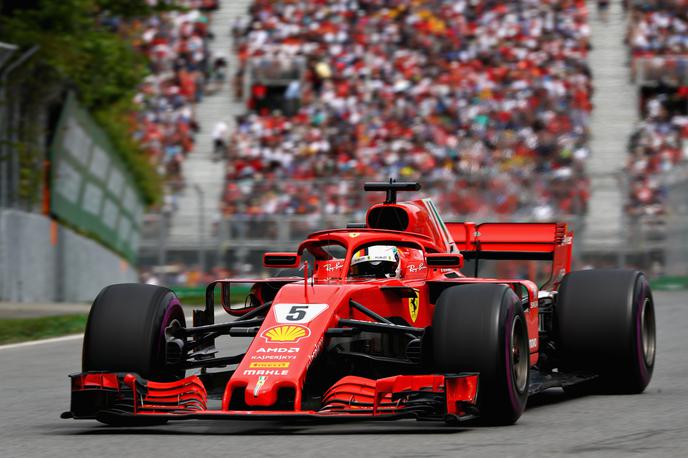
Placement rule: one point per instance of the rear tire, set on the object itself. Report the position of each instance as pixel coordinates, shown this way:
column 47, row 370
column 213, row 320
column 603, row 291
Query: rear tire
column 125, row 331
column 605, row 322
column 482, row 328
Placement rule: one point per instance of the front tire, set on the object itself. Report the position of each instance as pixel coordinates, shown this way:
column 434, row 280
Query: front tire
column 482, row 328
column 605, row 321
column 125, row 331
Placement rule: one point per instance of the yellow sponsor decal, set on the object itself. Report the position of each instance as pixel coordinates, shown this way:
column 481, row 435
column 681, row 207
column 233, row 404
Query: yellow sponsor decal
column 286, row 333
column 414, row 306
column 268, row 364
column 353, row 235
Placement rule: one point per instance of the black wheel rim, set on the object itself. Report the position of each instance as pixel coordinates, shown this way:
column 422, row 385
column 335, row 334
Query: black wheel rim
column 647, row 332
column 519, row 355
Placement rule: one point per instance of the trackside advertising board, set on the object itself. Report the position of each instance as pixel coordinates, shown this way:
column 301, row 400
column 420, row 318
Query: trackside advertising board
column 90, row 187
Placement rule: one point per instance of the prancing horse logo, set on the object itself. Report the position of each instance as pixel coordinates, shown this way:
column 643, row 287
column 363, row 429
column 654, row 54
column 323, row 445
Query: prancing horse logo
column 414, row 305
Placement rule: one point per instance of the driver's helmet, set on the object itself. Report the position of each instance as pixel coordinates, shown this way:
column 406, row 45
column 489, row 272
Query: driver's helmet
column 380, row 261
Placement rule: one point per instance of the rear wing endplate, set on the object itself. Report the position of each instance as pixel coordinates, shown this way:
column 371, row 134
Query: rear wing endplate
column 519, row 241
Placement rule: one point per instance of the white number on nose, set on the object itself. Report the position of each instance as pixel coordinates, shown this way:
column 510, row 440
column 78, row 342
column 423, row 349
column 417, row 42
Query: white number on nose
column 297, row 313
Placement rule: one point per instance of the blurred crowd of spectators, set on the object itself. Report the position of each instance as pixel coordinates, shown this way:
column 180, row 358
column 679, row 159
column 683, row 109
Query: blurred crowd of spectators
column 178, row 274
column 658, row 30
column 176, row 46
column 658, row 27
column 657, row 145
column 486, row 102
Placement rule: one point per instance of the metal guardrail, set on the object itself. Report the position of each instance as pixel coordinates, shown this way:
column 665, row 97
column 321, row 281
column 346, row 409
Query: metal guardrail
column 652, row 70
column 651, row 242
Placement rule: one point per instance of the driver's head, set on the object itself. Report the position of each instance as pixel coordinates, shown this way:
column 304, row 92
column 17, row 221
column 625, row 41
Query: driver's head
column 380, row 261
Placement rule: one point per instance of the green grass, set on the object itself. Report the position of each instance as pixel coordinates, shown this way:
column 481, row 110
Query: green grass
column 199, row 301
column 196, row 296
column 23, row 329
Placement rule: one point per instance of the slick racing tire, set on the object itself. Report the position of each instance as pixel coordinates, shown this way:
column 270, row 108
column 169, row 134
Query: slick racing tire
column 605, row 323
column 482, row 328
column 125, row 331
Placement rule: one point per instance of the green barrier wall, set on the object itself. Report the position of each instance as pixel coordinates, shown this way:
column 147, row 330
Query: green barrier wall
column 91, row 190
column 669, row 283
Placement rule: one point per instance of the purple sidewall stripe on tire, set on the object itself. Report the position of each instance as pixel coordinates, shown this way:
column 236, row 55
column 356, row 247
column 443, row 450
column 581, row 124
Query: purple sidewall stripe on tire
column 516, row 405
column 640, row 351
column 166, row 319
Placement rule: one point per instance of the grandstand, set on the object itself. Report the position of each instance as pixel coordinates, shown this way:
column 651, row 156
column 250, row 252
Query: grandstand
column 489, row 104
column 201, row 173
column 615, row 112
column 418, row 90
column 658, row 45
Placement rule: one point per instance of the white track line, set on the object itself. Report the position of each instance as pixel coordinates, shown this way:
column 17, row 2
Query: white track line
column 42, row 341
column 68, row 338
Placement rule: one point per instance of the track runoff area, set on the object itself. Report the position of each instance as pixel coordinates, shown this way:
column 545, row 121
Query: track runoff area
column 35, row 391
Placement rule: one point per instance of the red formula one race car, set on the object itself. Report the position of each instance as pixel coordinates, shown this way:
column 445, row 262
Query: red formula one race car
column 383, row 321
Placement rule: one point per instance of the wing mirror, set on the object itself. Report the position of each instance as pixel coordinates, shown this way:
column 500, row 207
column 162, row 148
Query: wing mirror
column 281, row 260
column 444, row 260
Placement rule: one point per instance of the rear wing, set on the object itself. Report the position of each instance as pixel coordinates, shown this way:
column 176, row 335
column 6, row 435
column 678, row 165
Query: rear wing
column 523, row 241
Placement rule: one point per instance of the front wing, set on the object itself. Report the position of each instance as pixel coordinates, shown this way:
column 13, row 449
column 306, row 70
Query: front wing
column 126, row 398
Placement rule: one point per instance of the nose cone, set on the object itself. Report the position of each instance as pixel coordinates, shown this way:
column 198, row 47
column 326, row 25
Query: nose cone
column 278, row 358
column 290, row 338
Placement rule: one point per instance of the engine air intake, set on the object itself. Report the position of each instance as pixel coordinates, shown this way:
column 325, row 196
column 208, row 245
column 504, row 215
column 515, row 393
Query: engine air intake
column 388, row 217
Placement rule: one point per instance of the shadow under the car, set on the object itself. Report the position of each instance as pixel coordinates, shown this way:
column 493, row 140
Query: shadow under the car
column 549, row 397
column 234, row 428
column 238, row 428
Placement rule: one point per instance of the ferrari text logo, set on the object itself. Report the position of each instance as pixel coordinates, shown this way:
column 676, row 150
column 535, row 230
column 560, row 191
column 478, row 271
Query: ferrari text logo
column 414, row 305
column 287, row 333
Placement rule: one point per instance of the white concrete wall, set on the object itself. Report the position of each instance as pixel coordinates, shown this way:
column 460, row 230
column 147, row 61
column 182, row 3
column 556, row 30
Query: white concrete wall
column 34, row 269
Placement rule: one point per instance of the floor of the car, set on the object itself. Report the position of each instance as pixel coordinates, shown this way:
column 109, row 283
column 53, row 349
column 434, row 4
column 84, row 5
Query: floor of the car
column 540, row 381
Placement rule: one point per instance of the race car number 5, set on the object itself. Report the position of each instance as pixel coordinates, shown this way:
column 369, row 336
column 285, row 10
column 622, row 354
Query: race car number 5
column 297, row 313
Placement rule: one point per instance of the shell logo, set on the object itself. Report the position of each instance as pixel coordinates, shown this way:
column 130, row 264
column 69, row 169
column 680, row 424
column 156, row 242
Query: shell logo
column 286, row 333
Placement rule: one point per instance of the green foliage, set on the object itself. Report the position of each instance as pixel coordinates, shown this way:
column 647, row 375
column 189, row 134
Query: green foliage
column 112, row 119
column 134, row 8
column 102, row 65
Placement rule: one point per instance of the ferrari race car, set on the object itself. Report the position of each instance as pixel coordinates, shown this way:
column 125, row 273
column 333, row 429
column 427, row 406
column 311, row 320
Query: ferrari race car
column 380, row 320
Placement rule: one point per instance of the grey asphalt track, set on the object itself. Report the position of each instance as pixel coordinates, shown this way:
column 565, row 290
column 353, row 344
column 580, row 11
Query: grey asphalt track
column 34, row 391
